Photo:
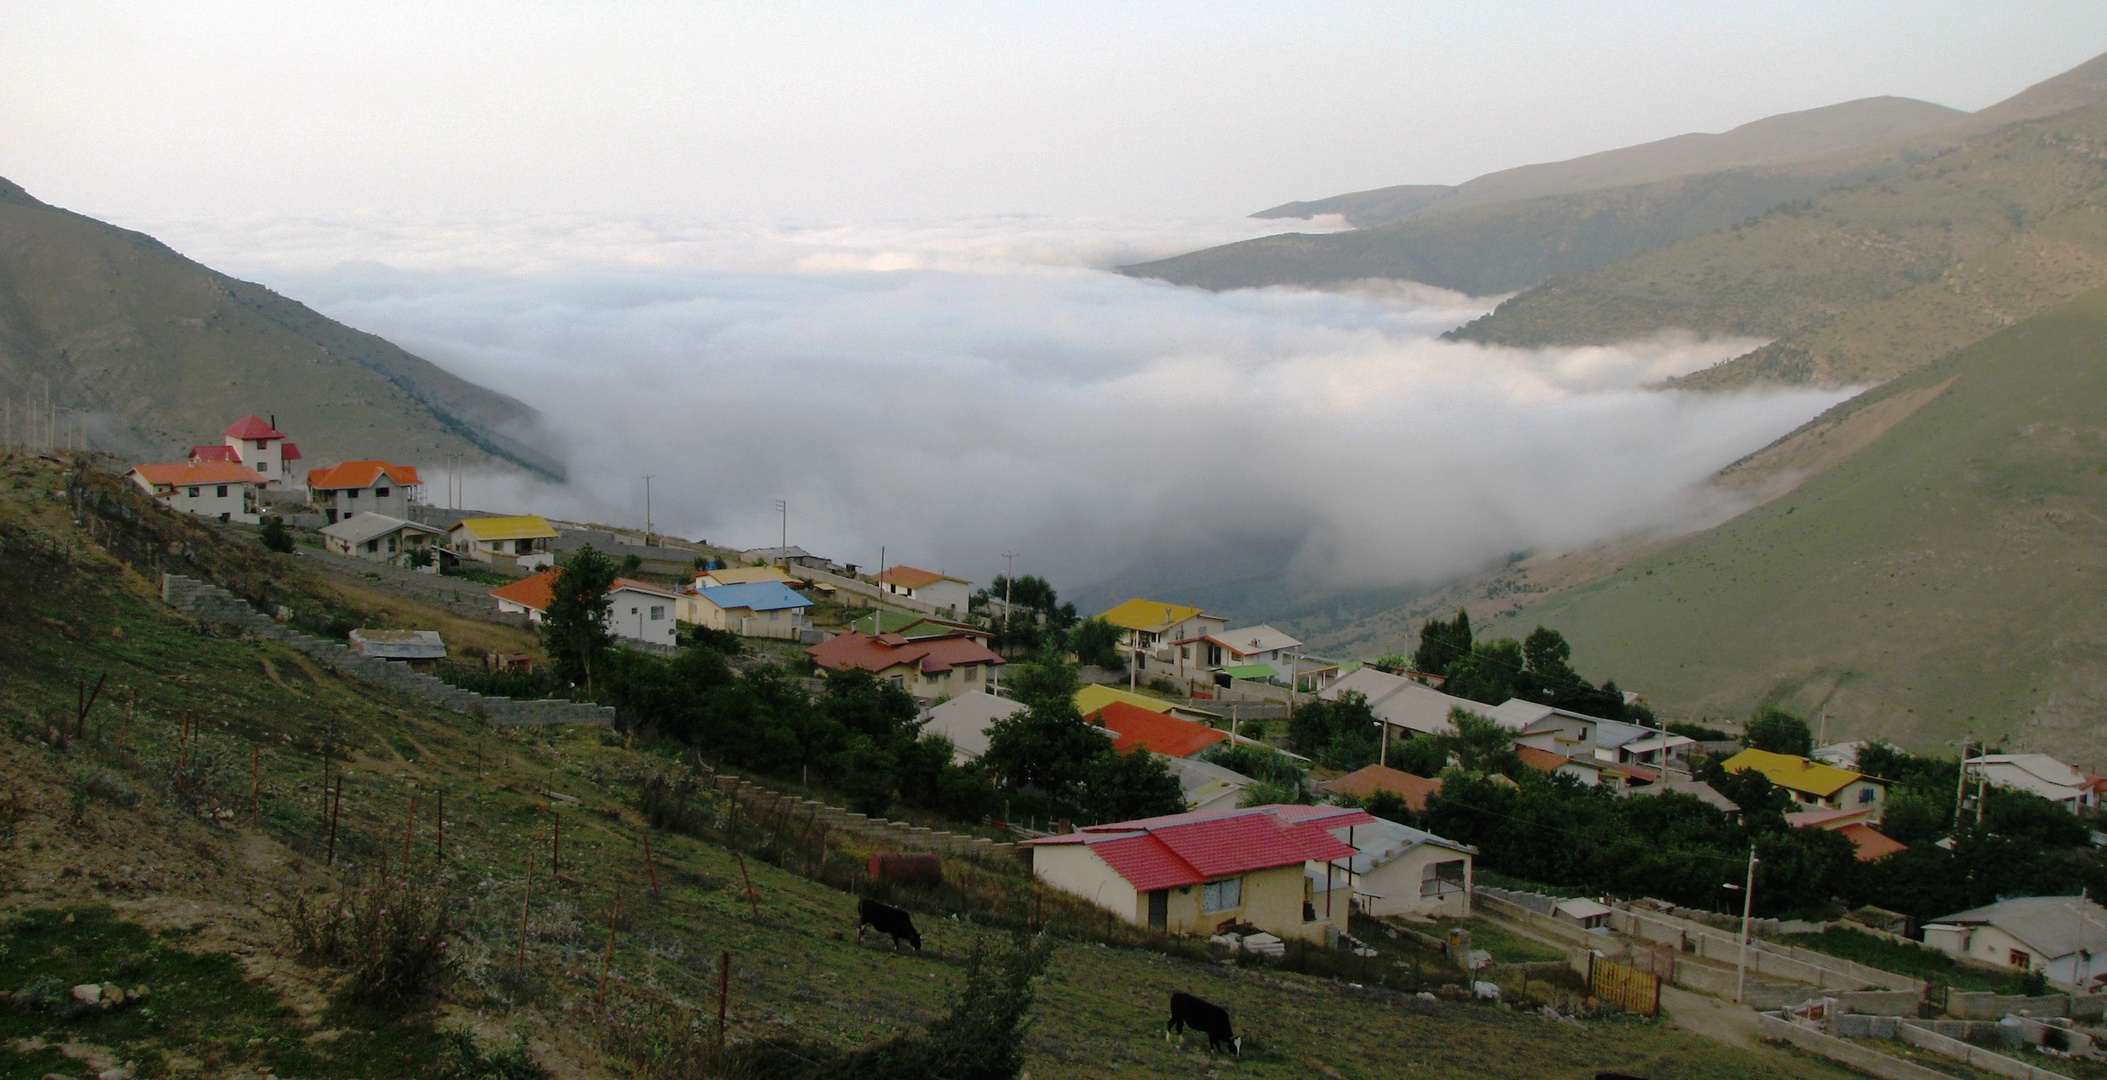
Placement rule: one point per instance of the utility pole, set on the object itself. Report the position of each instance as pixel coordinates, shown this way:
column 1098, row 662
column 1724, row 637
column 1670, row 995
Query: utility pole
column 782, row 506
column 1009, row 589
column 1960, row 789
column 647, row 508
column 1748, row 909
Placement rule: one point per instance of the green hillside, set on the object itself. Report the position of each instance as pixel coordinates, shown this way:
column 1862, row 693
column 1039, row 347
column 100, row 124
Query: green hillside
column 1804, row 264
column 161, row 353
column 1521, row 227
column 1946, row 578
column 133, row 849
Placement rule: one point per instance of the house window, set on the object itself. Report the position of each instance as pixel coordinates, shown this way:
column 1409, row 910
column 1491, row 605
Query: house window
column 1222, row 895
column 259, row 466
column 193, row 493
column 373, row 545
column 1214, row 656
column 2019, row 959
column 1185, row 652
column 658, row 611
column 1441, row 879
column 391, row 544
column 522, row 547
column 899, row 682
column 1865, row 795
column 380, row 493
column 223, row 491
column 259, row 445
column 352, row 494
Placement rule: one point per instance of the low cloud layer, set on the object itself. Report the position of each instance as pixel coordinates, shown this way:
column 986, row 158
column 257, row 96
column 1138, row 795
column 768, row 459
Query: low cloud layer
column 958, row 391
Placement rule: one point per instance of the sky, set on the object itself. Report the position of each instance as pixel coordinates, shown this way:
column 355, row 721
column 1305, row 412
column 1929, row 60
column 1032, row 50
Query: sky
column 853, row 255
column 147, row 111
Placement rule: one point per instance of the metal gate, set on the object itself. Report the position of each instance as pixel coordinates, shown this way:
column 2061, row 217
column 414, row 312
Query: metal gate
column 1634, row 991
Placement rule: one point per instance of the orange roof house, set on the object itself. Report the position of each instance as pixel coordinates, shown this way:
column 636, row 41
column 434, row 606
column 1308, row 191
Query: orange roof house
column 932, row 588
column 359, row 474
column 209, row 489
column 1134, row 728
column 1365, row 782
column 184, row 472
column 529, row 595
column 925, row 667
column 355, row 487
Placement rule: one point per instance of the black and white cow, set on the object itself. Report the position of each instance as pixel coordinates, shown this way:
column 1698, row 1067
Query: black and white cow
column 1189, row 1011
column 887, row 919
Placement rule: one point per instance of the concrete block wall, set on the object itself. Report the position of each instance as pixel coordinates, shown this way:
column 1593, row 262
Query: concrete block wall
column 215, row 605
column 1975, row 1057
column 1864, row 1059
column 1982, row 1005
column 1765, row 957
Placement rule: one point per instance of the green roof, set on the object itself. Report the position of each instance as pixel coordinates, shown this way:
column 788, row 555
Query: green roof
column 1251, row 671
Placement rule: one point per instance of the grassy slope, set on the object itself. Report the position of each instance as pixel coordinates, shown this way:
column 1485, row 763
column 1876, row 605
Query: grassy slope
column 188, row 895
column 1943, row 579
column 104, row 313
column 1802, row 265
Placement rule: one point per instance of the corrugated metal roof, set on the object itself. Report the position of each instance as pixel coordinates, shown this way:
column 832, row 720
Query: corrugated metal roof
column 1190, row 848
column 359, row 528
column 2051, row 925
column 524, row 527
column 754, row 596
column 1135, row 728
column 1789, row 771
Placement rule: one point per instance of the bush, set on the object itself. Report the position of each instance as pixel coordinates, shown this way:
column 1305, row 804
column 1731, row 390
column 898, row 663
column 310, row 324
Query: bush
column 468, row 1061
column 391, row 939
column 275, row 536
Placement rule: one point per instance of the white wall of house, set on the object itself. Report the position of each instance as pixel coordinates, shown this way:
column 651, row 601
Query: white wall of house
column 218, row 502
column 394, row 547
column 264, row 457
column 641, row 616
column 513, row 607
column 1412, row 884
column 383, row 496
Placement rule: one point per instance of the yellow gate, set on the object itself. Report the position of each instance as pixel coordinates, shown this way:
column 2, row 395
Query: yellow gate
column 1634, row 991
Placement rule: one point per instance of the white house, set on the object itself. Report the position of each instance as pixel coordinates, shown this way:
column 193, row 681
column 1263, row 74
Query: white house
column 1149, row 629
column 506, row 541
column 258, row 447
column 2042, row 775
column 938, row 590
column 637, row 610
column 765, row 609
column 2064, row 937
column 965, row 721
column 221, row 490
column 1207, row 786
column 1406, row 871
column 357, row 487
column 1410, row 708
column 380, row 538
column 642, row 612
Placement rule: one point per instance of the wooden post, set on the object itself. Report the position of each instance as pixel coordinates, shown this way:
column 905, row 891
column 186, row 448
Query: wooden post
column 336, row 803
column 753, row 899
column 409, row 829
column 724, row 987
column 526, row 898
column 607, row 959
column 649, row 866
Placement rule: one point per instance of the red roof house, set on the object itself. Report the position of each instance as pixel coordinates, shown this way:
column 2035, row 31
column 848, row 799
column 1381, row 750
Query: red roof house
column 925, row 667
column 1135, row 728
column 1364, row 782
column 255, row 445
column 1197, row 872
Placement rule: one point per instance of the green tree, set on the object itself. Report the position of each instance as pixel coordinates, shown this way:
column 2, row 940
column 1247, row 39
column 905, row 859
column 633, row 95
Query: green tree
column 1442, row 643
column 1123, row 787
column 1046, row 745
column 1546, row 655
column 1481, row 746
column 864, row 704
column 1341, row 732
column 1779, row 732
column 1095, row 643
column 1488, row 673
column 275, row 536
column 574, row 628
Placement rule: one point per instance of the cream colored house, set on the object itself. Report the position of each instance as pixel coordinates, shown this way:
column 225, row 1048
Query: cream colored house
column 941, row 591
column 765, row 609
column 505, row 541
column 218, row 490
column 928, row 668
column 742, row 575
column 380, row 538
column 2063, row 937
column 1277, row 868
column 1406, row 871
column 1813, row 784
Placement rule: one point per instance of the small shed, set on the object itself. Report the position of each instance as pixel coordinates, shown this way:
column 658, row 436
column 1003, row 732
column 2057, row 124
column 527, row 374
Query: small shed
column 1587, row 913
column 421, row 649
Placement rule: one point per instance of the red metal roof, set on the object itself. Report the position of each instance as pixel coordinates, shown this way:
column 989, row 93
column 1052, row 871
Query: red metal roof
column 930, row 656
column 252, row 427
column 222, row 452
column 1191, row 848
column 359, row 474
column 1135, row 728
column 290, row 451
column 908, row 577
column 1872, row 843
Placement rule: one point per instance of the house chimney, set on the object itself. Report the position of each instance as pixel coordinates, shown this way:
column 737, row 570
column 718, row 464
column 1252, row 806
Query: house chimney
column 274, row 421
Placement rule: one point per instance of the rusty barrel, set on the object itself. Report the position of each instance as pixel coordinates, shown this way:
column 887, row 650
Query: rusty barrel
column 907, row 868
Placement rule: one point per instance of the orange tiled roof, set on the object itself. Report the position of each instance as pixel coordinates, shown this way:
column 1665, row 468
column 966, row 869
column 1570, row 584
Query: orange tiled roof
column 908, row 577
column 1361, row 783
column 358, row 474
column 536, row 592
column 1872, row 844
column 1135, row 728
column 202, row 472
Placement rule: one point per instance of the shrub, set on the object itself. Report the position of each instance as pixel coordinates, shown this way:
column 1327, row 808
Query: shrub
column 391, row 939
column 275, row 536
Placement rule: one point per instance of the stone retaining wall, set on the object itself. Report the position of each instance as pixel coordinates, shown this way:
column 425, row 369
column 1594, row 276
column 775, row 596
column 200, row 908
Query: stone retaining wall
column 217, row 606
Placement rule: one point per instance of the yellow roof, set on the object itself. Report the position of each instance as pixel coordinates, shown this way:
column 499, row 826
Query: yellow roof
column 746, row 575
column 1148, row 616
column 507, row 528
column 1097, row 695
column 1792, row 772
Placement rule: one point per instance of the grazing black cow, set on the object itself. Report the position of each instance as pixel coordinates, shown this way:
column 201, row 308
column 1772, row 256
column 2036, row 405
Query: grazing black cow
column 887, row 919
column 1187, row 1010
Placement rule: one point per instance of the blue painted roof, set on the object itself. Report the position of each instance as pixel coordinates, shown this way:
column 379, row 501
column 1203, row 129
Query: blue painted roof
column 756, row 596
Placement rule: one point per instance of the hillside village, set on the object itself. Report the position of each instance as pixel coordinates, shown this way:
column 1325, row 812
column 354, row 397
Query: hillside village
column 1440, row 823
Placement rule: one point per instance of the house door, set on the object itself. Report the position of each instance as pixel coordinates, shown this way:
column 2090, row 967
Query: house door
column 1160, row 909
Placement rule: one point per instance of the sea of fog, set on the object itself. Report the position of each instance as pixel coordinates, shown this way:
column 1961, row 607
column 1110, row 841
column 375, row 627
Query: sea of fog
column 953, row 390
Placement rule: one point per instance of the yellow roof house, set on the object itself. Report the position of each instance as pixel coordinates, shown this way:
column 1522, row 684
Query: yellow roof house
column 526, row 527
column 1149, row 616
column 1813, row 783
column 1097, row 695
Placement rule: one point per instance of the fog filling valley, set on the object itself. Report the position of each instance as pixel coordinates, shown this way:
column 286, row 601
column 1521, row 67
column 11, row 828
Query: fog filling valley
column 952, row 391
